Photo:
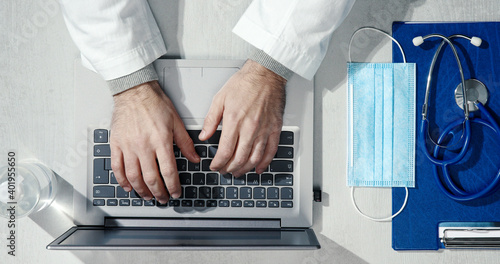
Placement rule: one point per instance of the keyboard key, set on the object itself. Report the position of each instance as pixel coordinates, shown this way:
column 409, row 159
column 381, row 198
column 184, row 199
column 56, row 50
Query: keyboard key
column 226, row 179
column 191, row 192
column 193, row 166
column 286, row 204
column 223, row 203
column 107, row 164
column 102, row 150
column 112, row 178
column 100, row 174
column 187, row 203
column 137, row 202
column 177, row 151
column 199, row 203
column 124, row 202
column 181, row 164
column 259, row 193
column 199, row 178
column 215, row 137
column 149, row 203
column 112, row 202
column 248, row 203
column 205, row 164
column 101, row 136
column 174, row 203
column 261, row 204
column 158, row 204
column 232, row 193
column 284, row 179
column 202, row 151
column 274, row 204
column 211, row 203
column 281, row 166
column 273, row 193
column 134, row 194
column 218, row 193
column 193, row 134
column 284, row 153
column 286, row 193
column 240, row 180
column 286, row 138
column 121, row 193
column 205, row 193
column 245, row 193
column 185, row 178
column 98, row 202
column 212, row 178
column 235, row 203
column 253, row 179
column 266, row 179
column 212, row 150
column 104, row 191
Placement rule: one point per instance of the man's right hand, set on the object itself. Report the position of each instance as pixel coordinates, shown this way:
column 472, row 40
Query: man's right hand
column 144, row 126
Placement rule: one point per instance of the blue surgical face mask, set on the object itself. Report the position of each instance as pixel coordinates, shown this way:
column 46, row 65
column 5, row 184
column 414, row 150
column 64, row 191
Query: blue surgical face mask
column 381, row 116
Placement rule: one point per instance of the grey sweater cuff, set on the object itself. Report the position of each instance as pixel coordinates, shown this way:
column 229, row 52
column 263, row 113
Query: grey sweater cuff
column 267, row 61
column 144, row 75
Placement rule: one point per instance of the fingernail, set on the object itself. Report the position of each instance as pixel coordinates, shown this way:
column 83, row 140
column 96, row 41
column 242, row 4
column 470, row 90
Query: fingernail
column 147, row 198
column 163, row 201
column 127, row 188
column 175, row 195
column 202, row 134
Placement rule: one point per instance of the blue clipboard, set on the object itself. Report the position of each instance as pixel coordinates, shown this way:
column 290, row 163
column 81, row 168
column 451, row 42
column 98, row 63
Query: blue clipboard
column 416, row 228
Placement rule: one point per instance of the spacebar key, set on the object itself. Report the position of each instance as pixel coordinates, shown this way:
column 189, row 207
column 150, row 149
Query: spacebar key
column 281, row 166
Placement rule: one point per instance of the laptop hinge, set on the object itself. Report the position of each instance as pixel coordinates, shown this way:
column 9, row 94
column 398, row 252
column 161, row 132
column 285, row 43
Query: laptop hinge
column 193, row 223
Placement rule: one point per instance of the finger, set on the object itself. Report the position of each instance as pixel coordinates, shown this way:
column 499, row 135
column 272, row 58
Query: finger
column 184, row 142
column 152, row 178
column 255, row 156
column 227, row 145
column 168, row 170
column 242, row 151
column 212, row 120
column 118, row 168
column 134, row 176
column 269, row 152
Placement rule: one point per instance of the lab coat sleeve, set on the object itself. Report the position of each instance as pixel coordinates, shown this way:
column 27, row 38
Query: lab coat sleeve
column 115, row 37
column 296, row 33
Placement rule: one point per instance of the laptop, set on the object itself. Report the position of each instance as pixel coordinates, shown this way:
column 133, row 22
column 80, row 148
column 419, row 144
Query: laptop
column 268, row 211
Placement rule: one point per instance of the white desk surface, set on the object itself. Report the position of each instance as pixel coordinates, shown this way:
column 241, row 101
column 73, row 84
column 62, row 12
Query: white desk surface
column 36, row 119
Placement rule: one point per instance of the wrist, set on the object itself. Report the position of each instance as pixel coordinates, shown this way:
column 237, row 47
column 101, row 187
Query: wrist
column 139, row 92
column 262, row 72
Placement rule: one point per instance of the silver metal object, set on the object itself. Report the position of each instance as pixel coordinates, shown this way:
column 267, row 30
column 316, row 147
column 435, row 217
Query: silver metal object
column 475, row 91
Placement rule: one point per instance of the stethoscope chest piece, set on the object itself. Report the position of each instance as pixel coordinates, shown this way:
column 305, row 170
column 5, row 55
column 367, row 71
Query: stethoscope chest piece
column 476, row 91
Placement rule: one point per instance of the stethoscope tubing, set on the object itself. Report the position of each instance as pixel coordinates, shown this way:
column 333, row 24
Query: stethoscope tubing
column 455, row 192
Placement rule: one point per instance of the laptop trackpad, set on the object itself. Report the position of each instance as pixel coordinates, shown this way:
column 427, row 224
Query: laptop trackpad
column 192, row 89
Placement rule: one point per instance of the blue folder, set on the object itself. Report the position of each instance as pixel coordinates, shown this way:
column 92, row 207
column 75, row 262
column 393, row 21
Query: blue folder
column 416, row 228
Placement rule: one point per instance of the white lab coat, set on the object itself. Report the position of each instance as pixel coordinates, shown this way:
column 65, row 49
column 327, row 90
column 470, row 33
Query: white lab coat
column 118, row 37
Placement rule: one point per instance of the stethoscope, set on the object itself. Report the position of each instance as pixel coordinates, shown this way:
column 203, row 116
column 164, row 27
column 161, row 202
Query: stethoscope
column 470, row 95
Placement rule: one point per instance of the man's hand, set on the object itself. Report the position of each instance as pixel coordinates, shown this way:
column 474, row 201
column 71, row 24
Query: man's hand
column 144, row 127
column 251, row 105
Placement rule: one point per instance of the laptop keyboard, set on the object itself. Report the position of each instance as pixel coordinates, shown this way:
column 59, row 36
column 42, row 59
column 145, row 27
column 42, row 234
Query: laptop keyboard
column 200, row 186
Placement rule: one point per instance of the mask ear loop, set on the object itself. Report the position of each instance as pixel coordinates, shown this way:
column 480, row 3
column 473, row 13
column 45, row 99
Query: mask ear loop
column 379, row 31
column 386, row 219
column 352, row 187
